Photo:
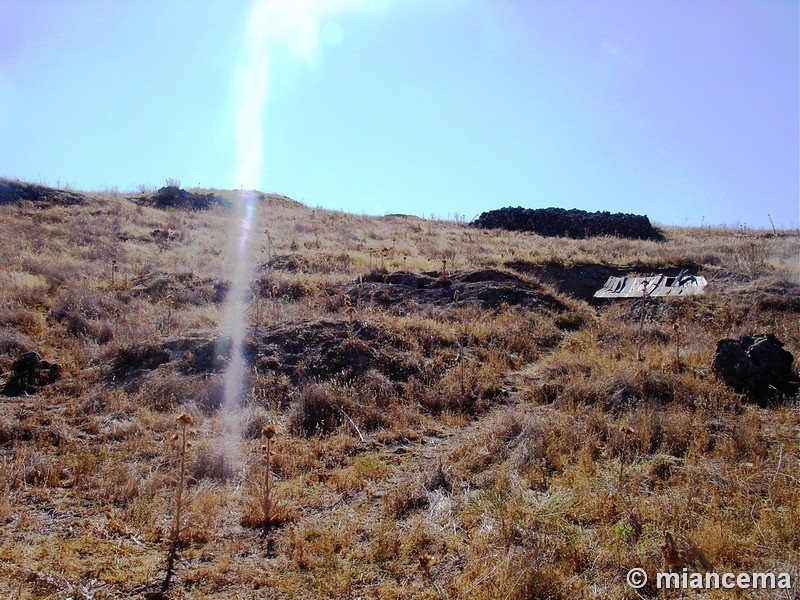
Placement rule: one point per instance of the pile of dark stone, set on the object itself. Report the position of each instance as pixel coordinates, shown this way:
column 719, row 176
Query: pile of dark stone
column 573, row 223
column 757, row 366
column 29, row 373
column 172, row 196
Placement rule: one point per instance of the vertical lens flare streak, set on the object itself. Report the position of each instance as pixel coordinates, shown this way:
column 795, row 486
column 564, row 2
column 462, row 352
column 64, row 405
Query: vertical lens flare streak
column 234, row 321
column 276, row 29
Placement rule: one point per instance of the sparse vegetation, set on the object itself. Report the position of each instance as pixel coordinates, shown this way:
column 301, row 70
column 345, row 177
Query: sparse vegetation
column 418, row 421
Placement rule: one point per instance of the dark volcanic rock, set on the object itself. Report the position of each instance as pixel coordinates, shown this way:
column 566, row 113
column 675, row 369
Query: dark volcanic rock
column 29, row 373
column 574, row 223
column 173, row 196
column 756, row 365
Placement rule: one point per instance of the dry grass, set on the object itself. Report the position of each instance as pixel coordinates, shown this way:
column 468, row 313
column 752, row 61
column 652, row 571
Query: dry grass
column 486, row 452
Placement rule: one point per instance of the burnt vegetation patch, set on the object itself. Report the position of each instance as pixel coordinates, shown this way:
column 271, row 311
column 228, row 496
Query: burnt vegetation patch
column 486, row 288
column 12, row 191
column 134, row 360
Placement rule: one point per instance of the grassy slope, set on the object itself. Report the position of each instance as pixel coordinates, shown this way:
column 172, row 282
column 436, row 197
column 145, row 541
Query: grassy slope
column 533, row 456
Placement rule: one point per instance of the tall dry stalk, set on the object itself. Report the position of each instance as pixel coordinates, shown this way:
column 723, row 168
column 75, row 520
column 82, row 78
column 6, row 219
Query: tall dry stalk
column 266, row 500
column 183, row 420
column 641, row 322
column 676, row 328
column 170, row 302
column 114, row 269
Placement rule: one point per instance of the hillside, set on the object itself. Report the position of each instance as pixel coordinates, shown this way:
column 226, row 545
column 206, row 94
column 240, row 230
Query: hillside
column 431, row 410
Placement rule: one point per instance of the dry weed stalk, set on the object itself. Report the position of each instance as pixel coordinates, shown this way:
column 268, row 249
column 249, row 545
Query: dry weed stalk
column 117, row 312
column 626, row 431
column 257, row 300
column 269, row 247
column 183, row 420
column 170, row 301
column 425, row 563
column 114, row 269
column 682, row 553
column 266, row 500
column 639, row 344
column 351, row 317
column 462, row 342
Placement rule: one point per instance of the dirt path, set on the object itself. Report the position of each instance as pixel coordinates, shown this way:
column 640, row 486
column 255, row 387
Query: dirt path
column 425, row 464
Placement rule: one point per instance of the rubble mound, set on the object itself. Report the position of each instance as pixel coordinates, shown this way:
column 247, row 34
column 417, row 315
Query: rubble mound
column 29, row 373
column 573, row 223
column 12, row 191
column 172, row 196
column 488, row 288
column 756, row 365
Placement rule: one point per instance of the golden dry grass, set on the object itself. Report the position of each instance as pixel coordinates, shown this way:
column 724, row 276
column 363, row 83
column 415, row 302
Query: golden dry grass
column 523, row 453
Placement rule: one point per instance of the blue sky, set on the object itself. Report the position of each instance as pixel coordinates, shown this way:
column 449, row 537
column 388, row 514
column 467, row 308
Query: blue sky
column 684, row 110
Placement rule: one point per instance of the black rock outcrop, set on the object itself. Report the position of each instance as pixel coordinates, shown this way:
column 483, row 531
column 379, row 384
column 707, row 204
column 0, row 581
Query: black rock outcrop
column 573, row 223
column 175, row 197
column 29, row 373
column 756, row 365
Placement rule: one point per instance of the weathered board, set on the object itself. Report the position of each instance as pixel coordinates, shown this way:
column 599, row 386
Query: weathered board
column 652, row 286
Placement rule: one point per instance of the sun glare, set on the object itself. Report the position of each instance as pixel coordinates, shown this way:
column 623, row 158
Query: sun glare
column 276, row 29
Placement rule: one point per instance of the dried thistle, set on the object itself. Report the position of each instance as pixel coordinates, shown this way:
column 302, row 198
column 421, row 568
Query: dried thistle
column 114, row 269
column 425, row 562
column 183, row 420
